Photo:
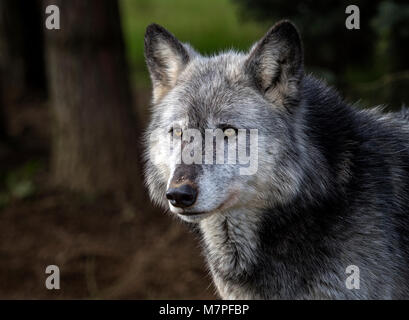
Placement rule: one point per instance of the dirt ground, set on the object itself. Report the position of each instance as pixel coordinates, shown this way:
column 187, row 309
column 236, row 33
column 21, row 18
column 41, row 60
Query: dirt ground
column 102, row 252
column 104, row 249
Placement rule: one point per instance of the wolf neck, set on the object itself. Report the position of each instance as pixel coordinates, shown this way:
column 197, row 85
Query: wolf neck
column 231, row 242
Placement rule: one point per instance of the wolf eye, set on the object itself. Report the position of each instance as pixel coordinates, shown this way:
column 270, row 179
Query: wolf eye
column 230, row 132
column 176, row 131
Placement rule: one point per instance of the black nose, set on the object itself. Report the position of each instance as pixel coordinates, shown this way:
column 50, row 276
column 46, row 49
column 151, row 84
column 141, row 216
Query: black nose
column 183, row 196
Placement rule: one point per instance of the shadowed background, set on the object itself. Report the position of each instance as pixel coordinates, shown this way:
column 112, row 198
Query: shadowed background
column 75, row 101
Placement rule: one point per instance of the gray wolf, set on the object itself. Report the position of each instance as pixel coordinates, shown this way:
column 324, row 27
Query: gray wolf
column 331, row 187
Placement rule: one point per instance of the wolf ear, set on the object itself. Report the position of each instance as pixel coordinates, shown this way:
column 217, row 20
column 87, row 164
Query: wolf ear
column 275, row 63
column 166, row 57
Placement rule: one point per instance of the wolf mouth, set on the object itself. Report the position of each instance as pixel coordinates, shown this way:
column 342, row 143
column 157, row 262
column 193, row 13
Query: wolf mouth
column 223, row 205
column 186, row 213
column 195, row 217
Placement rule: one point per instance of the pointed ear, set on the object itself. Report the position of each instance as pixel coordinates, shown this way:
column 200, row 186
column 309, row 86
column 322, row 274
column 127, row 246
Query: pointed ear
column 166, row 57
column 275, row 63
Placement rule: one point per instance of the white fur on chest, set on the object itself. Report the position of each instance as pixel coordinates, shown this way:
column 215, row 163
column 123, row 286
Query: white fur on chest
column 231, row 242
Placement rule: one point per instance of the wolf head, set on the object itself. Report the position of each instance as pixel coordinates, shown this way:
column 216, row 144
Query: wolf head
column 248, row 99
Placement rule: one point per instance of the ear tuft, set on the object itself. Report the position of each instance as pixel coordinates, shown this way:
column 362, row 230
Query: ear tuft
column 166, row 57
column 276, row 61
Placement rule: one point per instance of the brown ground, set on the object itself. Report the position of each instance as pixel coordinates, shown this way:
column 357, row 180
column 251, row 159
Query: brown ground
column 104, row 249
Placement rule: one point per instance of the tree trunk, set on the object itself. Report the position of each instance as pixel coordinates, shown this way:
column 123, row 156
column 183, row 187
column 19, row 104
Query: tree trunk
column 3, row 130
column 96, row 138
column 22, row 48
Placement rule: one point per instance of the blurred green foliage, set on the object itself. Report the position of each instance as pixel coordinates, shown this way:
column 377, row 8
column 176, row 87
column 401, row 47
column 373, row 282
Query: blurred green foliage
column 18, row 183
column 370, row 64
column 210, row 26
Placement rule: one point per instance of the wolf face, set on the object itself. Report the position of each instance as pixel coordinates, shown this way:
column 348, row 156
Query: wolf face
column 245, row 99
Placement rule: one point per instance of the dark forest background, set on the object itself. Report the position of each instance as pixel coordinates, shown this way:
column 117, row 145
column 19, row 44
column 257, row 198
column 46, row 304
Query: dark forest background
column 73, row 105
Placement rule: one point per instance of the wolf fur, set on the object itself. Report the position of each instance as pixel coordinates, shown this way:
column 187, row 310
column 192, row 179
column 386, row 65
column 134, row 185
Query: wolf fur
column 332, row 186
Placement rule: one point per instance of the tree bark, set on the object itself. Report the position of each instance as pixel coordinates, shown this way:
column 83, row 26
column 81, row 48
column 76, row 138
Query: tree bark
column 22, row 48
column 3, row 130
column 96, row 135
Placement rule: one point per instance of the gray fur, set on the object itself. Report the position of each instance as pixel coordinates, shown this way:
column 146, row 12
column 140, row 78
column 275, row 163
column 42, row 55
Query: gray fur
column 332, row 186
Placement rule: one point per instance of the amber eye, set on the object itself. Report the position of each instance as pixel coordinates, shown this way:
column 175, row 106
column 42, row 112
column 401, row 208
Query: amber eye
column 229, row 131
column 176, row 131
